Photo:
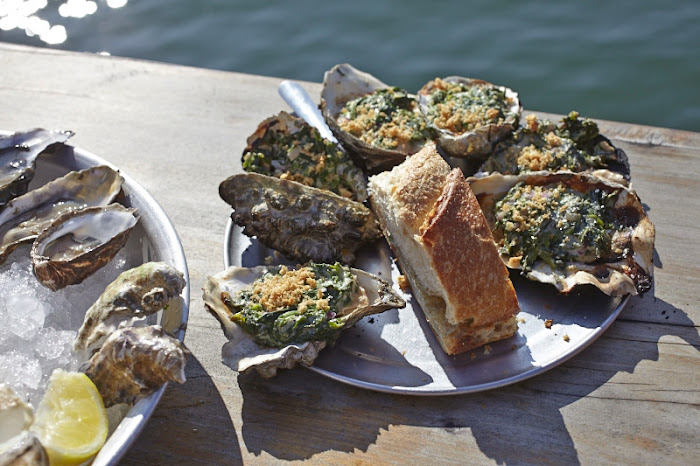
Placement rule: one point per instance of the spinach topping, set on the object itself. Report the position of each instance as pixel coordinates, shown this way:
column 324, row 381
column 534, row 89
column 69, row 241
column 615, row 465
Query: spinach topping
column 305, row 157
column 386, row 118
column 295, row 306
column 556, row 224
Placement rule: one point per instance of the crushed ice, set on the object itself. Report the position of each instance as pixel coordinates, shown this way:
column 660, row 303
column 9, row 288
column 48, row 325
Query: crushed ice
column 38, row 326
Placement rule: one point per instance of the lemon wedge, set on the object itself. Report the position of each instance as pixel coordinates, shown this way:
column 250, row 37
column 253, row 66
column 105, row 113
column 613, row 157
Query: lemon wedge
column 71, row 420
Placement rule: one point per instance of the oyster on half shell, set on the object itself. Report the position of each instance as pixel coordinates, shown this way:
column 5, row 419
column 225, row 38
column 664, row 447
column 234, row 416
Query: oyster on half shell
column 80, row 242
column 227, row 296
column 569, row 229
column 302, row 222
column 469, row 115
column 18, row 154
column 29, row 214
column 379, row 124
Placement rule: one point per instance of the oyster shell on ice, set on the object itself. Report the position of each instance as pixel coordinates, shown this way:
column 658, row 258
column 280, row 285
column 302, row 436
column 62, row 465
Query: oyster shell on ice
column 29, row 214
column 18, row 154
column 133, row 296
column 287, row 147
column 17, row 444
column 575, row 145
column 469, row 115
column 570, row 229
column 80, row 242
column 134, row 362
column 292, row 327
column 379, row 124
column 302, row 222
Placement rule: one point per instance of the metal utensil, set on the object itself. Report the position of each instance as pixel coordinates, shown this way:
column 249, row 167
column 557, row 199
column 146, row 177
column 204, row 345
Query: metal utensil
column 303, row 106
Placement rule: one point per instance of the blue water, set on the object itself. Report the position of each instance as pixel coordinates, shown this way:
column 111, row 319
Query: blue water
column 636, row 61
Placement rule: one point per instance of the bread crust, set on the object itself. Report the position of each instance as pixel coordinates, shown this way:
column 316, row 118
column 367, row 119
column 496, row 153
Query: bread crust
column 444, row 246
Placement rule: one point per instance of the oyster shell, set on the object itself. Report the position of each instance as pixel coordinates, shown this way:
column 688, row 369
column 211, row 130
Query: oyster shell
column 134, row 295
column 302, row 222
column 243, row 354
column 383, row 143
column 80, row 242
column 287, row 147
column 18, row 153
column 17, row 444
column 29, row 214
column 569, row 229
column 24, row 449
column 469, row 115
column 575, row 145
column 134, row 362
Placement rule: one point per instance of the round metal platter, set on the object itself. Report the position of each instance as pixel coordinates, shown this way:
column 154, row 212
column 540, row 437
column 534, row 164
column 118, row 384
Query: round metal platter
column 396, row 351
column 153, row 239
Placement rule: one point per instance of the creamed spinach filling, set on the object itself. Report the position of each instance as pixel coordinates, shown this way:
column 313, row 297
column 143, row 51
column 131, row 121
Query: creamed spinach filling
column 556, row 224
column 306, row 157
column 295, row 306
column 387, row 118
column 458, row 107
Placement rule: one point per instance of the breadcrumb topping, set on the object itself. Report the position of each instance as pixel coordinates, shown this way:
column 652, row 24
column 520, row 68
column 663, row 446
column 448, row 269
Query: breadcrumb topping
column 287, row 289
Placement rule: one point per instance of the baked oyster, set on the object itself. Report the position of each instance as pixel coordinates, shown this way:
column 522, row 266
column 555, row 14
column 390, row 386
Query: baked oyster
column 276, row 317
column 134, row 295
column 469, row 115
column 569, row 229
column 29, row 214
column 287, row 147
column 18, row 154
column 80, row 242
column 301, row 222
column 134, row 362
column 575, row 145
column 379, row 124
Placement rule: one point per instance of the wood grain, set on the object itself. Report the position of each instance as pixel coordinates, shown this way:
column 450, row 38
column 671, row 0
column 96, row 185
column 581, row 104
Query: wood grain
column 631, row 397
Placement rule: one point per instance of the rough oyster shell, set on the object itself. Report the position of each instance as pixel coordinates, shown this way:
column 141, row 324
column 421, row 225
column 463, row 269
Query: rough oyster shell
column 242, row 354
column 631, row 272
column 134, row 362
column 18, row 153
column 28, row 215
column 302, row 222
column 575, row 145
column 24, row 449
column 17, row 444
column 134, row 295
column 471, row 143
column 287, row 147
column 80, row 242
column 344, row 83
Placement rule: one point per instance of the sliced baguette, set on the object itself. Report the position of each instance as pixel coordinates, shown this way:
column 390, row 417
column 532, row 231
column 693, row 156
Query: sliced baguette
column 437, row 231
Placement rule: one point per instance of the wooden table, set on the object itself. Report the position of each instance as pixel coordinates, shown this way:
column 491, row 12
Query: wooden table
column 631, row 397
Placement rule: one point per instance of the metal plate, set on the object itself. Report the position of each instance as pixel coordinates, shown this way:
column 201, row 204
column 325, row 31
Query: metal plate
column 153, row 239
column 396, row 351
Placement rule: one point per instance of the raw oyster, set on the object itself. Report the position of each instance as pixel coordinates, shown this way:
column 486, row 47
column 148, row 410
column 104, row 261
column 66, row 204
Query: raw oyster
column 29, row 214
column 574, row 145
column 379, row 124
column 287, row 147
column 17, row 444
column 80, row 242
column 134, row 295
column 302, row 222
column 24, row 449
column 134, row 362
column 368, row 294
column 469, row 115
column 18, row 153
column 569, row 229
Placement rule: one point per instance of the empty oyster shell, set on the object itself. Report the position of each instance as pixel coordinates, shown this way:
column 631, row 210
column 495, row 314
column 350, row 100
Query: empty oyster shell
column 469, row 115
column 575, row 145
column 29, row 214
column 569, row 229
column 242, row 353
column 18, row 153
column 134, row 362
column 134, row 295
column 287, row 147
column 379, row 133
column 302, row 222
column 80, row 242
